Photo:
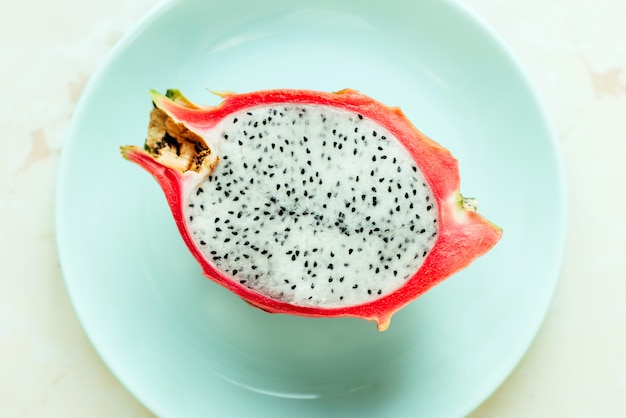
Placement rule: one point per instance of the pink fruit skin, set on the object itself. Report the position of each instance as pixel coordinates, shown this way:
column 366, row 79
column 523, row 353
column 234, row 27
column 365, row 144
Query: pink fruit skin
column 463, row 235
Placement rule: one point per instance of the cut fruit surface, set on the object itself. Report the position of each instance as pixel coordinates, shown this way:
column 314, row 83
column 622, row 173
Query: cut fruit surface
column 312, row 203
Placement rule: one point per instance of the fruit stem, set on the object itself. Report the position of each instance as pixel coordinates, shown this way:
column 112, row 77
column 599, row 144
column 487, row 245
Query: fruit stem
column 469, row 203
column 175, row 146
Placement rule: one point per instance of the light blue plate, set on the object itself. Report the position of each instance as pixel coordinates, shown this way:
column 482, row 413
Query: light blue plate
column 186, row 347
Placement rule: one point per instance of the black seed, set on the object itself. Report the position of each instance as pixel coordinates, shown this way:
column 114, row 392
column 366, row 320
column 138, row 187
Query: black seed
column 355, row 286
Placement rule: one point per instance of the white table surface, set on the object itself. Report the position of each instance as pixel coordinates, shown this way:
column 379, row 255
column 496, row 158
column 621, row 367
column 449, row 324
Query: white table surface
column 575, row 53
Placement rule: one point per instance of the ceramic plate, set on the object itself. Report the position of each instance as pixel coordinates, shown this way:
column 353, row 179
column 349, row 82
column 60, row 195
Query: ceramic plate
column 184, row 346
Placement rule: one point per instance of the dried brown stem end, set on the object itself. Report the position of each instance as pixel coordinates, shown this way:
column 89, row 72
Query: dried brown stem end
column 175, row 146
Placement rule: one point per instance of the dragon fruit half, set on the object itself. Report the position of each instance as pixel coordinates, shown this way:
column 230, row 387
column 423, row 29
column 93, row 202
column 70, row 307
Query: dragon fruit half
column 312, row 203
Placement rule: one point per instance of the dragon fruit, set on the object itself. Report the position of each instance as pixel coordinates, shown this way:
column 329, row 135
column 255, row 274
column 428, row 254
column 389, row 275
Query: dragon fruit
column 312, row 203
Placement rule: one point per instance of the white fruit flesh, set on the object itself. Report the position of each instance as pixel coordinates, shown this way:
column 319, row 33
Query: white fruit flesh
column 312, row 205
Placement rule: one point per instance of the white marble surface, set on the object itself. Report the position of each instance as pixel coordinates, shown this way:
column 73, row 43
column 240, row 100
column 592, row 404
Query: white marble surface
column 575, row 52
